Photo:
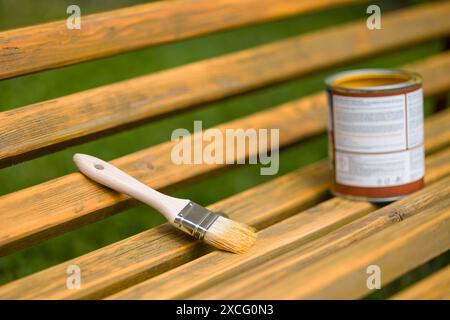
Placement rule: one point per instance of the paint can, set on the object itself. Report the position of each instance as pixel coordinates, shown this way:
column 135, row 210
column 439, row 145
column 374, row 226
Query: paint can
column 376, row 140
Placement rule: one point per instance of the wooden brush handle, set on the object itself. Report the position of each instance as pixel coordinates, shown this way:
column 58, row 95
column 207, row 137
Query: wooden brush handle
column 110, row 176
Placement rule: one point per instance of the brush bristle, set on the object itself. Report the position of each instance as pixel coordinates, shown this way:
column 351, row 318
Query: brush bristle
column 230, row 235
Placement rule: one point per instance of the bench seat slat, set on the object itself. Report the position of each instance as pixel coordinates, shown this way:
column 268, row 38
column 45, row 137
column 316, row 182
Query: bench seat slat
column 72, row 200
column 147, row 254
column 396, row 250
column 251, row 282
column 286, row 235
column 433, row 287
column 126, row 29
column 161, row 248
column 51, row 125
column 197, row 275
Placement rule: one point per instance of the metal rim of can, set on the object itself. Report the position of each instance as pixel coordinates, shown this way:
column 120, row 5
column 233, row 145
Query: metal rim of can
column 411, row 79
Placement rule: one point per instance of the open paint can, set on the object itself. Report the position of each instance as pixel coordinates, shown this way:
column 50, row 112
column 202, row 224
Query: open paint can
column 376, row 140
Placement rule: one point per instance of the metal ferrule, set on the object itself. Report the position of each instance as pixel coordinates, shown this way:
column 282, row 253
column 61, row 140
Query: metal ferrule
column 195, row 220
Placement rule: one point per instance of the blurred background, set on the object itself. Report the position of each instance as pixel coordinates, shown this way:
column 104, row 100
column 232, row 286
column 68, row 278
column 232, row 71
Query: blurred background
column 50, row 84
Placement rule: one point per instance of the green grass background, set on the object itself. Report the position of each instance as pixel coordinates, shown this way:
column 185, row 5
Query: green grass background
column 50, row 84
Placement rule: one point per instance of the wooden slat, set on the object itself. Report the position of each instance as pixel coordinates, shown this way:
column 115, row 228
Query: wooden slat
column 193, row 277
column 275, row 240
column 433, row 287
column 149, row 253
column 29, row 214
column 47, row 126
column 52, row 45
column 73, row 200
column 396, row 250
column 158, row 249
column 260, row 279
column 439, row 128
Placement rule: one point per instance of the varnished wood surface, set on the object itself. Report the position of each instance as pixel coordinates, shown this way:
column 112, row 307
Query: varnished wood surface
column 277, row 239
column 260, row 279
column 73, row 200
column 161, row 248
column 52, row 45
column 396, row 250
column 52, row 207
column 434, row 287
column 157, row 250
column 422, row 235
column 47, row 126
column 330, row 234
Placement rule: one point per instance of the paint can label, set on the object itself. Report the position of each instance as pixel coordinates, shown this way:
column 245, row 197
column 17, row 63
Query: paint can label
column 378, row 141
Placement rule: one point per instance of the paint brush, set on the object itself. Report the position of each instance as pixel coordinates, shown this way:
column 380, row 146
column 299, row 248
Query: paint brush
column 184, row 214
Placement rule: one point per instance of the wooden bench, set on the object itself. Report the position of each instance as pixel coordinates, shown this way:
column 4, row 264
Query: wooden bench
column 310, row 244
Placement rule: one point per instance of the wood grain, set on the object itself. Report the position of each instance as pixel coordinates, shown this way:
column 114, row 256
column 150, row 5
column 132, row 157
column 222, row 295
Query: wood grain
column 72, row 200
column 52, row 45
column 159, row 249
column 260, row 279
column 437, row 127
column 202, row 273
column 32, row 214
column 396, row 250
column 433, row 287
column 47, row 126
column 277, row 239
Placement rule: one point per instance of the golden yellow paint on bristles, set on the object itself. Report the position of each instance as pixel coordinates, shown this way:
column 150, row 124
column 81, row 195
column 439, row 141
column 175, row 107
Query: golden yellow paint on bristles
column 229, row 235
